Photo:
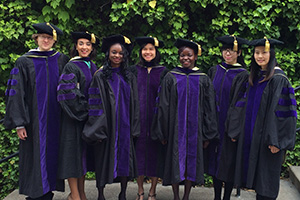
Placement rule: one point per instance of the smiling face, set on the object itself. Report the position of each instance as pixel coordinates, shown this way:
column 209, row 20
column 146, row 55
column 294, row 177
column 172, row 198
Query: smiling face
column 261, row 57
column 84, row 47
column 45, row 41
column 230, row 56
column 148, row 52
column 116, row 55
column 187, row 58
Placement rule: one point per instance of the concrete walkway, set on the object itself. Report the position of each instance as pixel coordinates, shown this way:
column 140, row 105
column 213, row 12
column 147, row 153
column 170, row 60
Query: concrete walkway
column 287, row 192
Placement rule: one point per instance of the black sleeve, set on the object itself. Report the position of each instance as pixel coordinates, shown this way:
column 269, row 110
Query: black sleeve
column 135, row 109
column 210, row 130
column 17, row 113
column 160, row 123
column 96, row 127
column 71, row 93
column 281, row 116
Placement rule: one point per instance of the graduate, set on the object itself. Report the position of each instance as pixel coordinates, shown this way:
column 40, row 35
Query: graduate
column 32, row 108
column 149, row 74
column 269, row 123
column 228, row 78
column 113, row 119
column 73, row 98
column 185, row 119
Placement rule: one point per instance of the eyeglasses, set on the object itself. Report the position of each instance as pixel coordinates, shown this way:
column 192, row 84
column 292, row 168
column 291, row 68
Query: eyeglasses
column 44, row 37
column 228, row 51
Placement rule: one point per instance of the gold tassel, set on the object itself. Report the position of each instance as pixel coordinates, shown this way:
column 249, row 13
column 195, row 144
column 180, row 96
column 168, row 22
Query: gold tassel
column 156, row 42
column 199, row 50
column 126, row 39
column 54, row 35
column 93, row 38
column 235, row 44
column 53, row 32
column 267, row 44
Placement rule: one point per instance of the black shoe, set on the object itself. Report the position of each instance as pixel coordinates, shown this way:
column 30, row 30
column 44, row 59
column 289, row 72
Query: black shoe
column 122, row 196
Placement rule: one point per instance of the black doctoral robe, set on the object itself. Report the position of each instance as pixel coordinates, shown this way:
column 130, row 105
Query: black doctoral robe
column 31, row 102
column 113, row 119
column 270, row 115
column 75, row 157
column 228, row 81
column 185, row 118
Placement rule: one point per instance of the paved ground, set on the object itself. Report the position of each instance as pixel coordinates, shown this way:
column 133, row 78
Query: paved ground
column 287, row 192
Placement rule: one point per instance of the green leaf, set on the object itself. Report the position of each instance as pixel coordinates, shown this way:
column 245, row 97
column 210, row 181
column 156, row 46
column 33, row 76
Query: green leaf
column 46, row 10
column 69, row 3
column 63, row 15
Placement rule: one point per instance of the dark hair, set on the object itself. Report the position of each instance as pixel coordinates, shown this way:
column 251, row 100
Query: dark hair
column 155, row 60
column 74, row 52
column 240, row 58
column 180, row 50
column 255, row 68
column 107, row 68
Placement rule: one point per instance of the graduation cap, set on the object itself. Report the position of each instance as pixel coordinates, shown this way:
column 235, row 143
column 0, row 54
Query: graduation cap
column 268, row 43
column 152, row 40
column 113, row 39
column 89, row 36
column 232, row 40
column 187, row 43
column 48, row 28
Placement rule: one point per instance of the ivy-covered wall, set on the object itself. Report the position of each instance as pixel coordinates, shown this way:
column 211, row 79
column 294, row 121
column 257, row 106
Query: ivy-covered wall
column 198, row 20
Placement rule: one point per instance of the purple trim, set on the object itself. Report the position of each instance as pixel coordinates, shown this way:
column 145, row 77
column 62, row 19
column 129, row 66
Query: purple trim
column 286, row 114
column 9, row 81
column 240, row 104
column 124, row 128
column 192, row 132
column 14, row 71
column 66, row 86
column 13, row 82
column 95, row 112
column 287, row 102
column 182, row 123
column 42, row 102
column 83, row 160
column 12, row 92
column 47, row 75
column 287, row 91
column 88, row 73
column 95, row 101
column 6, row 92
column 63, row 97
column 53, row 121
column 94, row 91
column 67, row 77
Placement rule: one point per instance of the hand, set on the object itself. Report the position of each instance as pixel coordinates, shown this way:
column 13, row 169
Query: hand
column 273, row 149
column 205, row 144
column 164, row 142
column 233, row 140
column 22, row 134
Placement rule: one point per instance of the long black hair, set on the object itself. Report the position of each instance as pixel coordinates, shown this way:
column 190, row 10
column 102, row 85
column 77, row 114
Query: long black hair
column 154, row 62
column 255, row 68
column 107, row 68
column 240, row 58
column 74, row 52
